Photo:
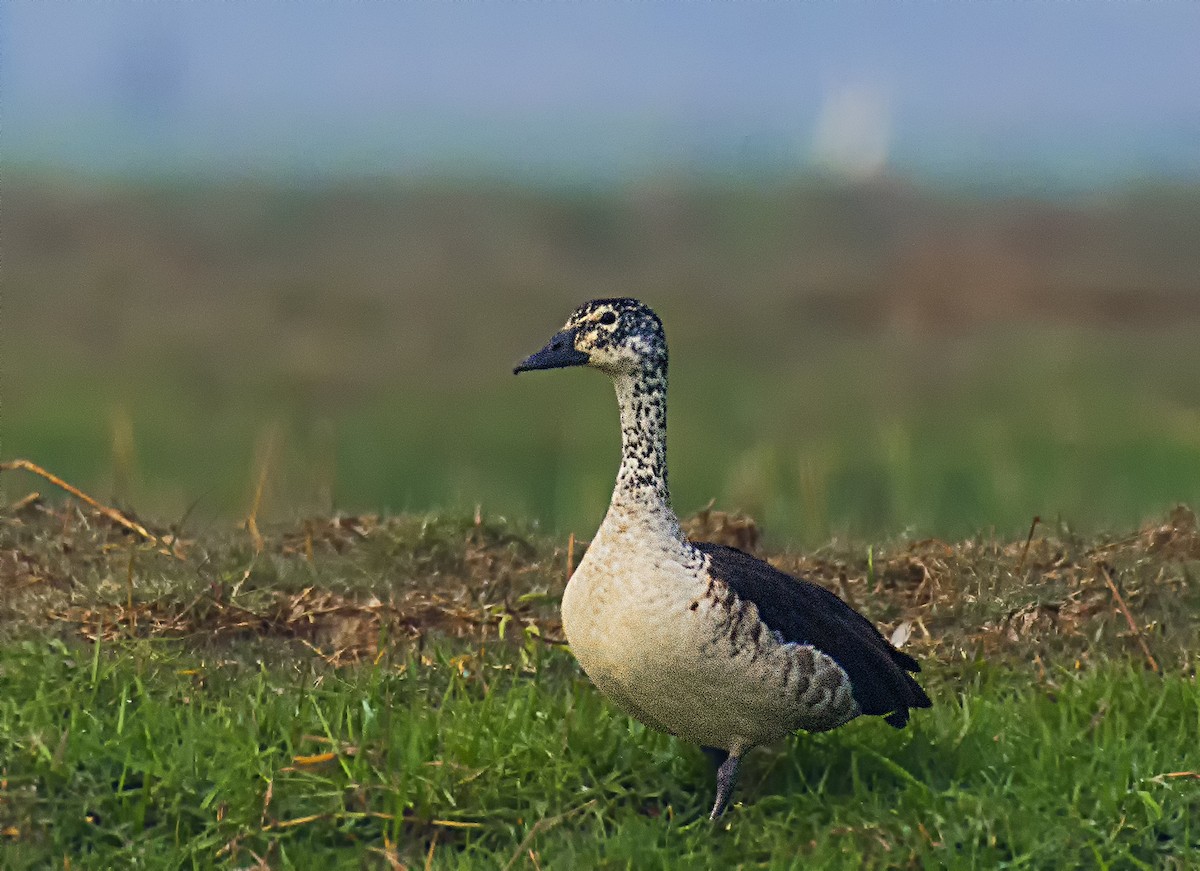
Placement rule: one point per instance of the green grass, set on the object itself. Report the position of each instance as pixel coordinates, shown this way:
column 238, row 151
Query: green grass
column 144, row 755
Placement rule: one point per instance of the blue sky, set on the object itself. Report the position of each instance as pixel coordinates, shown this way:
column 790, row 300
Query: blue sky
column 602, row 89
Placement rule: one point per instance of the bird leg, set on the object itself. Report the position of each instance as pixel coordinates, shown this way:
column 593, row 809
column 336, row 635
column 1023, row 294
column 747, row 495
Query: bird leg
column 727, row 775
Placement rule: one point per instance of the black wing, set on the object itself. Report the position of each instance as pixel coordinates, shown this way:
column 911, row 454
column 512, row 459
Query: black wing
column 806, row 613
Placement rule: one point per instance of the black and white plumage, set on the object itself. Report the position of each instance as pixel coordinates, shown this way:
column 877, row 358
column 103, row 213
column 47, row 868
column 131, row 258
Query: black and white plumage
column 699, row 640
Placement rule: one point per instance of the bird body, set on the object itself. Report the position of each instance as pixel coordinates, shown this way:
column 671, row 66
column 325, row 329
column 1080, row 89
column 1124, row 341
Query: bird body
column 684, row 654
column 699, row 640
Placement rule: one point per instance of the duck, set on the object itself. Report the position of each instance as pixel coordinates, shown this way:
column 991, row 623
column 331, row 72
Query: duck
column 701, row 640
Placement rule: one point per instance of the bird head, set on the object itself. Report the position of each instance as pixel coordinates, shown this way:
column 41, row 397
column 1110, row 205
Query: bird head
column 616, row 336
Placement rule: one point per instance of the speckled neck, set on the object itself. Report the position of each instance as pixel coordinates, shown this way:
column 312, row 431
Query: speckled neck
column 641, row 494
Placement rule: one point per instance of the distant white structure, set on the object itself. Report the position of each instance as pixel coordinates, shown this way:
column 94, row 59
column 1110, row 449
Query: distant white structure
column 853, row 132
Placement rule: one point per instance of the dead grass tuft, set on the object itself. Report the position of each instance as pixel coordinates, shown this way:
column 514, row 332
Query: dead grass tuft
column 734, row 530
column 349, row 586
column 1066, row 600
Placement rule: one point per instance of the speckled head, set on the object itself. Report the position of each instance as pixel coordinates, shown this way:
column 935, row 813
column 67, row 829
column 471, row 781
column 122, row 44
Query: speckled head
column 616, row 336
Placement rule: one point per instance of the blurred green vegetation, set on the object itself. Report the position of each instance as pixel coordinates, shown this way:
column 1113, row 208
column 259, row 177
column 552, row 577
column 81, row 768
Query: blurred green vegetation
column 863, row 361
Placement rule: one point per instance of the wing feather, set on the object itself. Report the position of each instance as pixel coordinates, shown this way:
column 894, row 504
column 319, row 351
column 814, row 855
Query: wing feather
column 806, row 613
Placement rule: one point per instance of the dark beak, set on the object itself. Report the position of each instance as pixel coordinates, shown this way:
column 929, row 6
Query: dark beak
column 559, row 353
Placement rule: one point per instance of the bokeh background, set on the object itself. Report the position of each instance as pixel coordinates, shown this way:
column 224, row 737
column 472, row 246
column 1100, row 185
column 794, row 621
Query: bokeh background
column 925, row 268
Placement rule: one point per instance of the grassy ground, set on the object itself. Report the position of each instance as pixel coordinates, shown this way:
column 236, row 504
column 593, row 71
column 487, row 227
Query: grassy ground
column 858, row 367
column 144, row 756
column 367, row 692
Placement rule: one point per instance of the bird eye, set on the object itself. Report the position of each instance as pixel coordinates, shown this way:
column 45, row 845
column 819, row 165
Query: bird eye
column 608, row 318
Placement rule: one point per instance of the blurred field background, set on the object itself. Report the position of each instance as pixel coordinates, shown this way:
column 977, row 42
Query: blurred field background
column 863, row 359
column 880, row 323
